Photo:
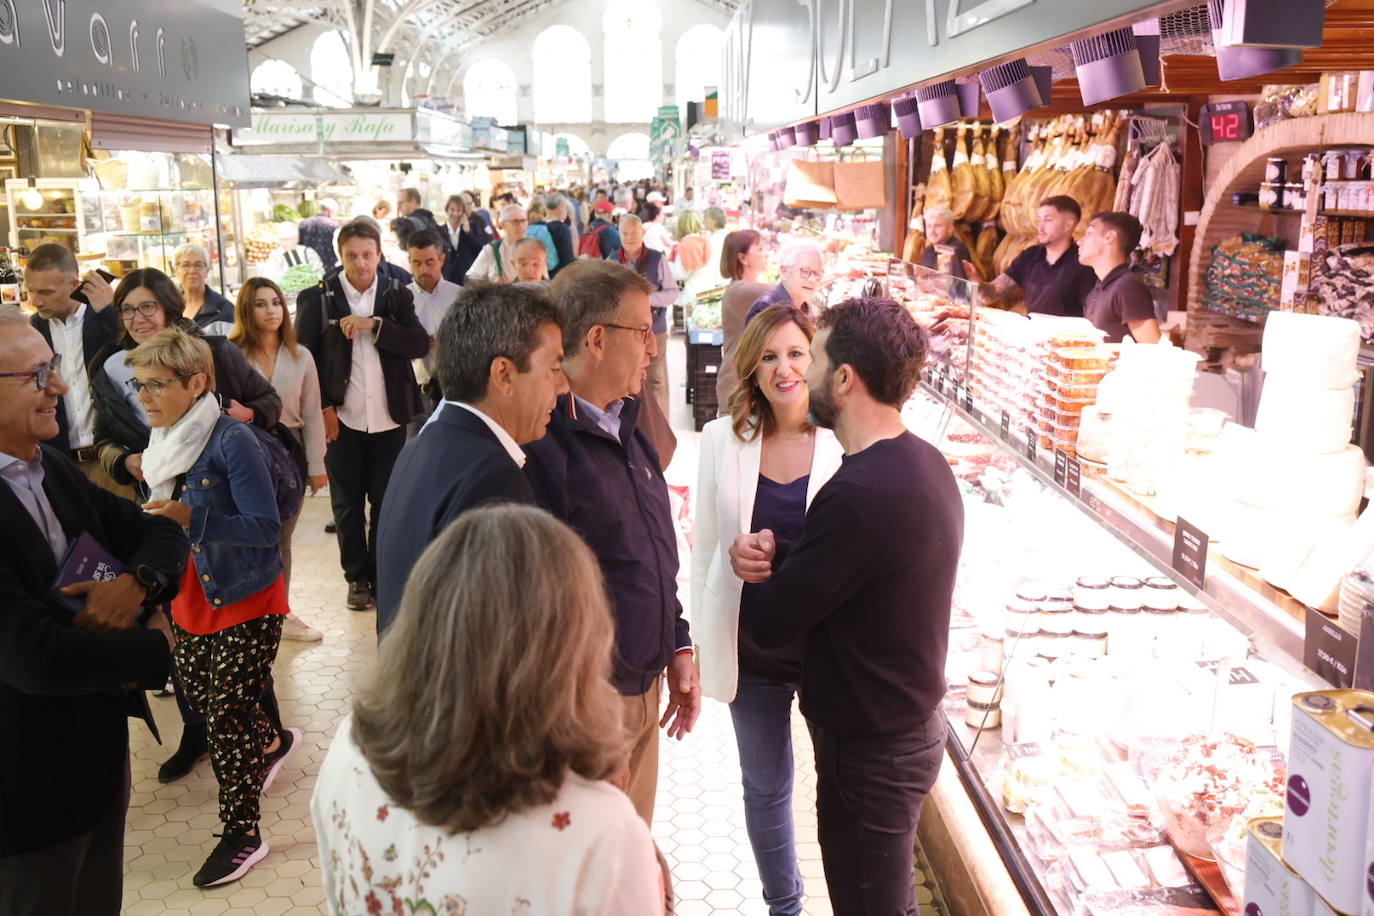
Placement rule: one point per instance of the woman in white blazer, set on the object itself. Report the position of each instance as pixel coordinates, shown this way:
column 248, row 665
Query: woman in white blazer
column 760, row 467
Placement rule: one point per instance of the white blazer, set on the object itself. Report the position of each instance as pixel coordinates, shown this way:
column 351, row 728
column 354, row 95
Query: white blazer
column 727, row 479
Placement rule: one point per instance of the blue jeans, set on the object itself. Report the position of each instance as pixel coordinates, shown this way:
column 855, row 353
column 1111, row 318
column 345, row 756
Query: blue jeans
column 762, row 715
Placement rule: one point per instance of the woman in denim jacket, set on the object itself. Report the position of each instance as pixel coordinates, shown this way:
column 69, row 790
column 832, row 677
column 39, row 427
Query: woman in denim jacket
column 207, row 471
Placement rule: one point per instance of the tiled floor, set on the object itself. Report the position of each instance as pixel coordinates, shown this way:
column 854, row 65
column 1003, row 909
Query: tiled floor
column 699, row 823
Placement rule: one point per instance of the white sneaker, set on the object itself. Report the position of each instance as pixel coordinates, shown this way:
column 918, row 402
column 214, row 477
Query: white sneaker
column 295, row 628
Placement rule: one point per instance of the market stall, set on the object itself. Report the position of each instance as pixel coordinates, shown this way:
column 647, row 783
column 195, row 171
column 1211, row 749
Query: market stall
column 1164, row 552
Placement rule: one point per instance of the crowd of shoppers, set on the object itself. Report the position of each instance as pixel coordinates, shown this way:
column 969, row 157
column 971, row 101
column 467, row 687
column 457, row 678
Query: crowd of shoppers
column 491, row 428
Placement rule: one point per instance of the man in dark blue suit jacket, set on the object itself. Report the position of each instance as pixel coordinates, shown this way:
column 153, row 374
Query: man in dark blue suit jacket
column 499, row 360
column 52, row 278
column 64, row 772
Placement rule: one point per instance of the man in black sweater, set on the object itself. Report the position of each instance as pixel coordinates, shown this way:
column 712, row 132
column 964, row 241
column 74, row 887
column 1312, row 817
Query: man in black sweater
column 874, row 610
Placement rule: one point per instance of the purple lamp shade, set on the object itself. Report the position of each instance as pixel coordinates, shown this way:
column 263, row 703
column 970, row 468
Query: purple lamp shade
column 1108, row 66
column 1238, row 63
column 872, row 120
column 1272, row 23
column 773, row 141
column 808, row 133
column 908, row 116
column 787, row 138
column 843, row 129
column 1011, row 90
column 938, row 104
column 970, row 99
column 825, row 128
column 1148, row 48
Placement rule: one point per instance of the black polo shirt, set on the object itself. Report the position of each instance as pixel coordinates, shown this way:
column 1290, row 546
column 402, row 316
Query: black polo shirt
column 930, row 258
column 1117, row 301
column 1052, row 289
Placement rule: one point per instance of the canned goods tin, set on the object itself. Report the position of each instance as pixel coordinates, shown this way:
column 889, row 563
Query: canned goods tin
column 1275, row 169
column 1271, row 887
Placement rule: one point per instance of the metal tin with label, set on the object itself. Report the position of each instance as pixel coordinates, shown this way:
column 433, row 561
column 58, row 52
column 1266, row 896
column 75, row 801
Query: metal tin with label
column 1326, row 805
column 1271, row 887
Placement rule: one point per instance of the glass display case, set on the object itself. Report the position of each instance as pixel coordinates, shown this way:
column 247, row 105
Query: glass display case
column 1115, row 723
column 47, row 210
column 147, row 204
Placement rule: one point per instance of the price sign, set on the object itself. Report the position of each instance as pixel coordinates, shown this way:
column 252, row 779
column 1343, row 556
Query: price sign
column 968, row 400
column 1032, row 440
column 1005, row 429
column 1190, row 552
column 1224, row 122
column 1073, row 478
column 720, row 165
column 1061, row 466
column 1329, row 651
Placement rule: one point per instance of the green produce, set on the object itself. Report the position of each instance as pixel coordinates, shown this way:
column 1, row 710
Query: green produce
column 281, row 213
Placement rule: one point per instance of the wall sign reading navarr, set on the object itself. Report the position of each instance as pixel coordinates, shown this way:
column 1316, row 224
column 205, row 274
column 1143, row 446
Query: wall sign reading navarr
column 172, row 59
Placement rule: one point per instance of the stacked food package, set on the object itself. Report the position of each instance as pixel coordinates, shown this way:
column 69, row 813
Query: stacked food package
column 1343, row 285
column 1245, row 278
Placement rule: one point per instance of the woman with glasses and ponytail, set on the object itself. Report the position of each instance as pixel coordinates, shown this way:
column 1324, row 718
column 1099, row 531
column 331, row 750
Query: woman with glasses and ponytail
column 148, row 302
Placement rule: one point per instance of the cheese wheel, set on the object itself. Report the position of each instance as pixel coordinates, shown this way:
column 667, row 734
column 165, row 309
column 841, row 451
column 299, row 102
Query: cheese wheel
column 1313, row 419
column 1314, row 351
column 1276, row 477
column 1293, row 541
column 1318, row 583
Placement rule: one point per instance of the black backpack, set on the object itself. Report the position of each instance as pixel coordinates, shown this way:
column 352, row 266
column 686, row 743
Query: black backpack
column 286, row 460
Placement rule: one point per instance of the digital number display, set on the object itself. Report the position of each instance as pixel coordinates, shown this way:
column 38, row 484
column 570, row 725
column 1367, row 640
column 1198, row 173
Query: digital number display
column 1226, row 122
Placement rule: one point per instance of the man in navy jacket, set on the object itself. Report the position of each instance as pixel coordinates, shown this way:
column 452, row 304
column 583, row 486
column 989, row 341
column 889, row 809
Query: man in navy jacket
column 599, row 472
column 500, row 361
column 64, row 773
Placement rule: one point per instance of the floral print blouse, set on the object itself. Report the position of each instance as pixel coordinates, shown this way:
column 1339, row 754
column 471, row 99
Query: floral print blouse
column 586, row 853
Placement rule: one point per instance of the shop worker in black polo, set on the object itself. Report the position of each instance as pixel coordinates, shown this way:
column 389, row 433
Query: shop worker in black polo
column 1119, row 303
column 1049, row 274
column 868, row 587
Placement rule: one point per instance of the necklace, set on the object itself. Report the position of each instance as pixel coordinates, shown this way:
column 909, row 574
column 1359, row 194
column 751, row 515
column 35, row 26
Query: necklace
column 798, row 436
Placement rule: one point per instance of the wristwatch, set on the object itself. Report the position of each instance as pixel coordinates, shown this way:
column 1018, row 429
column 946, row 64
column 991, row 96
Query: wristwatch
column 145, row 576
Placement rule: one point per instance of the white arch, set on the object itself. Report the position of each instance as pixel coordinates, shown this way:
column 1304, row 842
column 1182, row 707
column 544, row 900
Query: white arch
column 697, row 58
column 634, row 60
column 576, row 145
column 632, row 145
column 276, row 77
column 562, row 76
column 489, row 91
column 331, row 70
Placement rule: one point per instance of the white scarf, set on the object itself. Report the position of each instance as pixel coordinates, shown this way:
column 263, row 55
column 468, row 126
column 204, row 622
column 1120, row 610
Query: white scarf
column 173, row 449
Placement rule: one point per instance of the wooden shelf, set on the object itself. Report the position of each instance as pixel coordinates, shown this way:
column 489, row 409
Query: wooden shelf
column 1348, row 214
column 1273, row 211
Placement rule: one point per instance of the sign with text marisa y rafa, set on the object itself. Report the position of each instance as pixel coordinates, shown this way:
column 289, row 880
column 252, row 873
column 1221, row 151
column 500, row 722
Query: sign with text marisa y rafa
column 176, row 60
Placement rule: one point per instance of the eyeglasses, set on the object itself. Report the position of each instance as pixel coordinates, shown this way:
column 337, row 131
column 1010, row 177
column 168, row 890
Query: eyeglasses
column 642, row 332
column 157, row 386
column 807, row 273
column 194, row 265
column 146, row 309
column 41, row 376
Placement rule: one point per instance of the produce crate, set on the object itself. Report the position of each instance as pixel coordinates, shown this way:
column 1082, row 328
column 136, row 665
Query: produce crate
column 703, row 367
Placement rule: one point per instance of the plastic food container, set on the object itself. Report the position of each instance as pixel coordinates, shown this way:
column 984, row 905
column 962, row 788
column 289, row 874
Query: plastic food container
column 1064, row 434
column 1066, row 420
column 1126, row 592
column 1049, row 444
column 1065, row 389
column 1080, row 358
column 1160, row 593
column 1064, row 405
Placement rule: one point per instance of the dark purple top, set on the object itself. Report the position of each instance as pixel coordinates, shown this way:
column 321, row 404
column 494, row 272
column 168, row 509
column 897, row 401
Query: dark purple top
column 781, row 508
column 775, row 296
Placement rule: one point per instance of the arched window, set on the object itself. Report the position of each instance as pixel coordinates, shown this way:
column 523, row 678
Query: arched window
column 489, row 91
column 276, row 77
column 576, row 146
column 634, row 60
column 331, row 70
column 697, row 60
column 562, row 76
column 630, row 152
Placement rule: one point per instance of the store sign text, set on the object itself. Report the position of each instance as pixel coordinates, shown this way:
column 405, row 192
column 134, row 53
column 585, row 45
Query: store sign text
column 70, row 52
column 343, row 127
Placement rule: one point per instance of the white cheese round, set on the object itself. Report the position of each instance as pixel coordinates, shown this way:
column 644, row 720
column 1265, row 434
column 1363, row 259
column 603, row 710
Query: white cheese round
column 1308, row 418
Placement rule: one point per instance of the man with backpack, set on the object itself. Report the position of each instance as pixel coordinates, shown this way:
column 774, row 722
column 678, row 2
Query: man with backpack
column 601, row 240
column 362, row 330
column 496, row 263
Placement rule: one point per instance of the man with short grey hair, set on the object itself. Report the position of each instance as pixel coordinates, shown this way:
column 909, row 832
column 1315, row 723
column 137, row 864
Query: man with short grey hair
column 557, row 221
column 75, row 329
column 497, row 260
column 499, row 360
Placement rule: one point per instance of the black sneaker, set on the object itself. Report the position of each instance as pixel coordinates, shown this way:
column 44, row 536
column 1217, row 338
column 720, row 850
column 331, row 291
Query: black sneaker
column 359, row 596
column 192, row 748
column 331, row 528
column 233, row 858
column 290, row 741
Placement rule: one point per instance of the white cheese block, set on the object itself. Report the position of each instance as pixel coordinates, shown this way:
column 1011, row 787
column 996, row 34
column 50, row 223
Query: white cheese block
column 1316, row 351
column 1316, row 486
column 1292, row 541
column 1318, row 583
column 1311, row 419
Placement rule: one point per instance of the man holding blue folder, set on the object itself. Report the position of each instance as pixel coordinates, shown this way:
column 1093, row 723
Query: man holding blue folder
column 64, row 773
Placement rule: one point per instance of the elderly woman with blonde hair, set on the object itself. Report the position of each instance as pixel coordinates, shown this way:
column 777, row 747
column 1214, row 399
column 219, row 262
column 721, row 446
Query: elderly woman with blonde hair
column 462, row 782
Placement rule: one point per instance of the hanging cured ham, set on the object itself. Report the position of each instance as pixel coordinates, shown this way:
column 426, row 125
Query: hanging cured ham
column 982, row 178
column 996, row 175
column 939, row 190
column 961, row 176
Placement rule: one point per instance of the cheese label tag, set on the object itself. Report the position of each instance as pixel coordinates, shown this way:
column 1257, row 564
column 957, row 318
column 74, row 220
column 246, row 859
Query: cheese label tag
column 1005, row 430
column 1073, row 477
column 1190, row 552
column 1061, row 466
column 1329, row 651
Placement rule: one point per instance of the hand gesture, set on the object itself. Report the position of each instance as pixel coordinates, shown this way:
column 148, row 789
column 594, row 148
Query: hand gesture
column 178, row 512
column 318, row 482
column 751, row 556
column 112, row 605
column 354, row 325
column 134, row 465
column 98, row 290
column 684, row 697
column 239, row 412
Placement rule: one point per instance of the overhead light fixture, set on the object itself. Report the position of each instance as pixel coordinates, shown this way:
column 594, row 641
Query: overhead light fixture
column 872, row 121
column 843, row 130
column 908, row 116
column 1011, row 90
column 787, row 138
column 773, row 141
column 938, row 104
column 970, row 99
column 1273, row 23
column 825, row 128
column 31, row 197
column 1108, row 66
column 807, row 133
column 1236, row 62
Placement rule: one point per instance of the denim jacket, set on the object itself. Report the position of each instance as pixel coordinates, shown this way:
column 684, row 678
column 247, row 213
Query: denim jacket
column 235, row 531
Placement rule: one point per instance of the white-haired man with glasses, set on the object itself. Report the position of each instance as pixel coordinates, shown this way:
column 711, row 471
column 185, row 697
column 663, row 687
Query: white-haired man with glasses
column 64, row 776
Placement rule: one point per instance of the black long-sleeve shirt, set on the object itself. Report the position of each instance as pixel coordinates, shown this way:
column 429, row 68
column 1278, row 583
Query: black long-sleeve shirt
column 870, row 584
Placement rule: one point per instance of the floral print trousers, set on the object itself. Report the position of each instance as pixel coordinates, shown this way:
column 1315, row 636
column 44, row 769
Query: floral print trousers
column 223, row 675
